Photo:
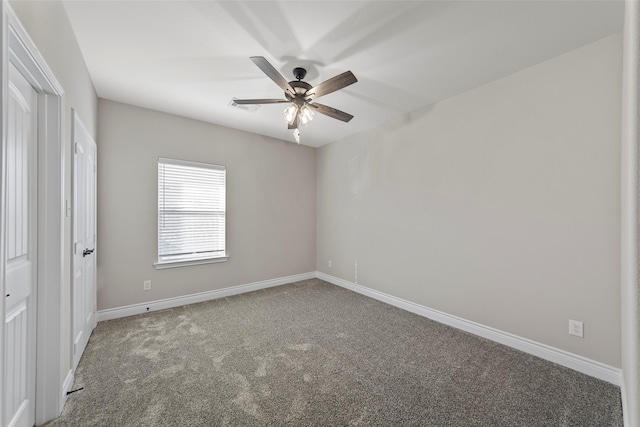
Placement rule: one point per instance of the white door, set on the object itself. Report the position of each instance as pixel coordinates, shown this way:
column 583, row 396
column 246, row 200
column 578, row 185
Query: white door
column 84, row 232
column 21, row 251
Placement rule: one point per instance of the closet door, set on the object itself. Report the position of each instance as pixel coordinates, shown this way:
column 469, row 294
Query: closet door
column 84, row 232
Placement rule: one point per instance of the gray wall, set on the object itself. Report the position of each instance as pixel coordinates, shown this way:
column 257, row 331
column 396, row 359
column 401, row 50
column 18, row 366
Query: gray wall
column 271, row 204
column 48, row 26
column 500, row 205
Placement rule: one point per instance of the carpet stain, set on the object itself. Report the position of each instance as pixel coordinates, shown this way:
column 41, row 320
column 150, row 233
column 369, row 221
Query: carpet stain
column 261, row 370
column 190, row 326
column 298, row 407
column 216, row 362
column 357, row 421
column 150, row 353
column 264, row 390
column 245, row 399
column 299, row 347
column 246, row 402
column 153, row 415
column 171, row 371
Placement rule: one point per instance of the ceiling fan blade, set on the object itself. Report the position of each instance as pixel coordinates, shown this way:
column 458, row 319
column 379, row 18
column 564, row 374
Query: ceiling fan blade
column 330, row 111
column 273, row 74
column 296, row 121
column 260, row 101
column 333, row 84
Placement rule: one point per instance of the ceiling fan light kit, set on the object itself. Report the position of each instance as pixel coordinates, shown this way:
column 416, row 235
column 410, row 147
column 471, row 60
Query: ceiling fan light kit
column 299, row 95
column 290, row 113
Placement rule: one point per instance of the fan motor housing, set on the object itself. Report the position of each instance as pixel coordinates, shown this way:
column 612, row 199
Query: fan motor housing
column 300, row 87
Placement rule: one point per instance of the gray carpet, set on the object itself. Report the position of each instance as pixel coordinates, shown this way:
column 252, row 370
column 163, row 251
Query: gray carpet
column 311, row 353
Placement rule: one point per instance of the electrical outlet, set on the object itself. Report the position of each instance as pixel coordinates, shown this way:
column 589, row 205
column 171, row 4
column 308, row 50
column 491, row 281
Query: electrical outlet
column 329, row 264
column 576, row 328
column 147, row 285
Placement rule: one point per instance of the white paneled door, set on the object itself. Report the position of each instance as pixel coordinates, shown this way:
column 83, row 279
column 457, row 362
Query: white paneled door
column 21, row 251
column 84, row 236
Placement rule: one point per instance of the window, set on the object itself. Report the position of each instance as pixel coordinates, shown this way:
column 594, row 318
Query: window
column 191, row 213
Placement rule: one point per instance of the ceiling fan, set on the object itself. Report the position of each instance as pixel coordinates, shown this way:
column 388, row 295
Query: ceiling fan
column 300, row 95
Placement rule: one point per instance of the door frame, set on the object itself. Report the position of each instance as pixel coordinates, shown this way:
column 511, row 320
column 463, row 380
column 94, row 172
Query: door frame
column 18, row 48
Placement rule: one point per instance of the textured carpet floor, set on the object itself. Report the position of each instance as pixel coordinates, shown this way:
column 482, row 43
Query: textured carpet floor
column 311, row 353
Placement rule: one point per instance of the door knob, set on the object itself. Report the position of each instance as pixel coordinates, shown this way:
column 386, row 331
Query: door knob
column 87, row 252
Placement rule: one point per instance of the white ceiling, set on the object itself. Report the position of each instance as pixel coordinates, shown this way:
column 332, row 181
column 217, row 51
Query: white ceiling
column 191, row 58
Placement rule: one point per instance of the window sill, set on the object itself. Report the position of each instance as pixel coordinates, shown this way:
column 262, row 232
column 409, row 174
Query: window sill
column 175, row 264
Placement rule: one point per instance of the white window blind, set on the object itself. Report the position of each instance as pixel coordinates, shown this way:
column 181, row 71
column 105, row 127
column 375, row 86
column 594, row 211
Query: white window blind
column 191, row 211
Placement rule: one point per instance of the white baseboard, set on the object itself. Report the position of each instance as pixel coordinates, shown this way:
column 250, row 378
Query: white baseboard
column 131, row 310
column 66, row 387
column 573, row 361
